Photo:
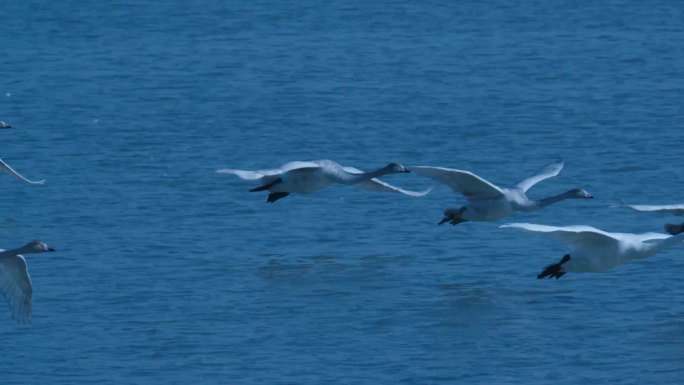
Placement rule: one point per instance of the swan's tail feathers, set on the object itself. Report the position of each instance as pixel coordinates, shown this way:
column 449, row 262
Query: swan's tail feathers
column 674, row 229
column 554, row 270
column 266, row 186
column 272, row 197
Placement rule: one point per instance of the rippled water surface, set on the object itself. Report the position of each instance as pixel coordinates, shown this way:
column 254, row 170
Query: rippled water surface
column 167, row 272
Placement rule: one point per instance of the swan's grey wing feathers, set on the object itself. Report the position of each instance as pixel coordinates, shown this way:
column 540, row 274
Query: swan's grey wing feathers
column 547, row 172
column 376, row 184
column 15, row 285
column 6, row 167
column 671, row 209
column 464, row 182
column 573, row 235
column 258, row 174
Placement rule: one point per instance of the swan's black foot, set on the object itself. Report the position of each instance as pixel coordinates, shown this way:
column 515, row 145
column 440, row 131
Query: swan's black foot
column 266, row 186
column 674, row 229
column 272, row 197
column 452, row 220
column 554, row 270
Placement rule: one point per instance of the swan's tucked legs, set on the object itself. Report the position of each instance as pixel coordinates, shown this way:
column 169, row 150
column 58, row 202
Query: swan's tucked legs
column 554, row 270
column 266, row 186
column 453, row 216
column 272, row 197
column 674, row 229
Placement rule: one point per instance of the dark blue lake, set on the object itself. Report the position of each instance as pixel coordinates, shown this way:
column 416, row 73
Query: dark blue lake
column 167, row 272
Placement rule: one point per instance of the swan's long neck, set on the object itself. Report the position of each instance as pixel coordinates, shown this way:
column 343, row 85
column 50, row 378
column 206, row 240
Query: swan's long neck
column 349, row 178
column 666, row 243
column 555, row 198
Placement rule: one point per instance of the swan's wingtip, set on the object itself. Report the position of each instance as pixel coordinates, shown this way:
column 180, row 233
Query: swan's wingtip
column 516, row 225
column 35, row 182
column 426, row 191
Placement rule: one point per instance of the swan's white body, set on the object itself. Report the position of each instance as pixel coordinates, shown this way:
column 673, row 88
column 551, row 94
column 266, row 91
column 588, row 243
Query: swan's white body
column 594, row 250
column 15, row 283
column 677, row 209
column 487, row 201
column 311, row 176
column 6, row 168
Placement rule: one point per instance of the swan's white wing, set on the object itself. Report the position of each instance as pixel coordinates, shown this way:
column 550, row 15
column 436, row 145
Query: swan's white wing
column 376, row 184
column 646, row 237
column 15, row 285
column 545, row 173
column 6, row 168
column 258, row 174
column 580, row 236
column 464, row 182
column 672, row 209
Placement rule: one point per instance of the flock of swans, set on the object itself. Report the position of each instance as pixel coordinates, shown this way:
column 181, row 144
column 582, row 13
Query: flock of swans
column 591, row 249
column 15, row 282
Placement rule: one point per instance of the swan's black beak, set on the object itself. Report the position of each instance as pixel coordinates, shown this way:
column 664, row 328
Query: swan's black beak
column 444, row 220
column 50, row 249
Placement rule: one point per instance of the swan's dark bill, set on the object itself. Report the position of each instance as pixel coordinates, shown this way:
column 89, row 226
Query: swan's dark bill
column 266, row 186
column 272, row 197
column 554, row 270
column 674, row 229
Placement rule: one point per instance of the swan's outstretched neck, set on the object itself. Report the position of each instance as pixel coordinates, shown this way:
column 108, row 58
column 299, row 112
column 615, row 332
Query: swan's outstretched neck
column 570, row 194
column 349, row 178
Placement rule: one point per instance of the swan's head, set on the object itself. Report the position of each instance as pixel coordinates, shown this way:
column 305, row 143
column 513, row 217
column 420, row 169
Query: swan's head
column 396, row 168
column 4, row 125
column 580, row 194
column 454, row 216
column 36, row 247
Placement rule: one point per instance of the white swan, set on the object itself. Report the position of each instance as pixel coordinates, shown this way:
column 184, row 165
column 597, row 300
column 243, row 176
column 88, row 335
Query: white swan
column 593, row 250
column 311, row 176
column 4, row 125
column 6, row 168
column 676, row 209
column 488, row 202
column 15, row 283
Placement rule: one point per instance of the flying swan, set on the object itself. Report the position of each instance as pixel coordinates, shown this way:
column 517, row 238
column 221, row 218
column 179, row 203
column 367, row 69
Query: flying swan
column 593, row 250
column 15, row 283
column 6, row 168
column 311, row 176
column 677, row 209
column 488, row 202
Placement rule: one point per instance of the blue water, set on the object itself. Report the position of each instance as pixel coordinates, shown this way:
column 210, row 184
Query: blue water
column 167, row 272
